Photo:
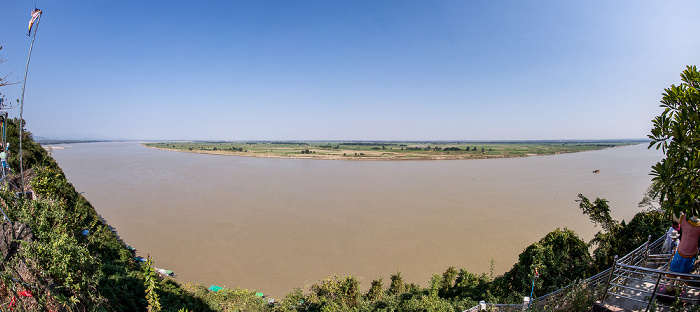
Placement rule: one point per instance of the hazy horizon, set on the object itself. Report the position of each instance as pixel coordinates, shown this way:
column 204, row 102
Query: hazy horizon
column 88, row 139
column 361, row 70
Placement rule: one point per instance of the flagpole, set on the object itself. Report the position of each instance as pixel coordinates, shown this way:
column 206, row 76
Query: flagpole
column 532, row 290
column 21, row 105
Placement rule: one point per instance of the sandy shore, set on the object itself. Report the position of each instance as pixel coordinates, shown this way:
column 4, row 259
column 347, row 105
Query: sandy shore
column 54, row 147
column 367, row 156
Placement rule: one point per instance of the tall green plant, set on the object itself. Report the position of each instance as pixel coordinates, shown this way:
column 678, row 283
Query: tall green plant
column 598, row 211
column 561, row 258
column 150, row 280
column 619, row 238
column 677, row 132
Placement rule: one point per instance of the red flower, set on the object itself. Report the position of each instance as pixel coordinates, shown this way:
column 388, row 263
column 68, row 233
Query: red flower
column 25, row 293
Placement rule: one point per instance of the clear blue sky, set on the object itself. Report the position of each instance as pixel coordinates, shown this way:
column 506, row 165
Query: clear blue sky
column 347, row 70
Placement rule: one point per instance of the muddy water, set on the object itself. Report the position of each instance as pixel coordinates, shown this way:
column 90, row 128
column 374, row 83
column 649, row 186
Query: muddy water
column 275, row 224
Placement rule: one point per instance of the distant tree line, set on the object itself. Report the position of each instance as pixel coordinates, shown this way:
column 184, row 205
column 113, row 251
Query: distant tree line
column 444, row 149
column 366, row 143
column 329, row 146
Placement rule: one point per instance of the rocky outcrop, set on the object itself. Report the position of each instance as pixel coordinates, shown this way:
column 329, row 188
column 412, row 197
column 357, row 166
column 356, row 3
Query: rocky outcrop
column 12, row 235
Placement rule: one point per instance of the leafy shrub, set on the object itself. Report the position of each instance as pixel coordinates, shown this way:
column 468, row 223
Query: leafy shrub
column 561, row 258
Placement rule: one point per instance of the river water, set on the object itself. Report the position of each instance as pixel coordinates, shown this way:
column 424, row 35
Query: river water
column 275, row 224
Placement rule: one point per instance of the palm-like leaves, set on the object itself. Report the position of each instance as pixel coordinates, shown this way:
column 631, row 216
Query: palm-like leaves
column 677, row 132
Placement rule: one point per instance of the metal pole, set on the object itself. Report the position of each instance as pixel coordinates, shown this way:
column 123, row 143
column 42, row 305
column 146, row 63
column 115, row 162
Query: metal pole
column 6, row 217
column 532, row 289
column 5, row 150
column 646, row 251
column 653, row 294
column 607, row 285
column 21, row 105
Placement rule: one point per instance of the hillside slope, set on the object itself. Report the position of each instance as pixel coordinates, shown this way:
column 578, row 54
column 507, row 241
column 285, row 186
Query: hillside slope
column 58, row 254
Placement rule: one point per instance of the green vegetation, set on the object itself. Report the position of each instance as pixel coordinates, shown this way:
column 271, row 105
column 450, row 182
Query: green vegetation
column 381, row 150
column 561, row 258
column 620, row 238
column 677, row 132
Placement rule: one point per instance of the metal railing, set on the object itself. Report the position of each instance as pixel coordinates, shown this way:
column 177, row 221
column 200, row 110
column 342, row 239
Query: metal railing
column 639, row 256
column 641, row 287
column 554, row 298
column 629, row 279
column 642, row 283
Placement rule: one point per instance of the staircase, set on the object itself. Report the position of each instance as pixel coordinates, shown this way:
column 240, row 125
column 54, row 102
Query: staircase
column 639, row 281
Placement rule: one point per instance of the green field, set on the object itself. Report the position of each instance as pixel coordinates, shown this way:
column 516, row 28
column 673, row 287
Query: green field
column 388, row 150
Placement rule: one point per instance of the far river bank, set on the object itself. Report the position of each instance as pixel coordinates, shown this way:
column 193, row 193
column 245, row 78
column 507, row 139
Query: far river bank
column 390, row 150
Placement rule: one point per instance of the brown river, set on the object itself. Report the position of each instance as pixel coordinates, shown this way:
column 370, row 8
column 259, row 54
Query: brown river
column 275, row 224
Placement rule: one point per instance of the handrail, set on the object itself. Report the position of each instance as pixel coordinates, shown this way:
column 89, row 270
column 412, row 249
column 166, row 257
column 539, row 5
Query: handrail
column 646, row 282
column 629, row 263
column 657, row 271
column 557, row 294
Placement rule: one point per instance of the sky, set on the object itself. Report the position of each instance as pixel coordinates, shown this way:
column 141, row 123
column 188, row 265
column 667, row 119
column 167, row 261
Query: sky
column 346, row 70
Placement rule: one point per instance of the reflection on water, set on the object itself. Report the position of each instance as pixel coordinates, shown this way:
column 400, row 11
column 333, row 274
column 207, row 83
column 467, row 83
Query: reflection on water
column 275, row 224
